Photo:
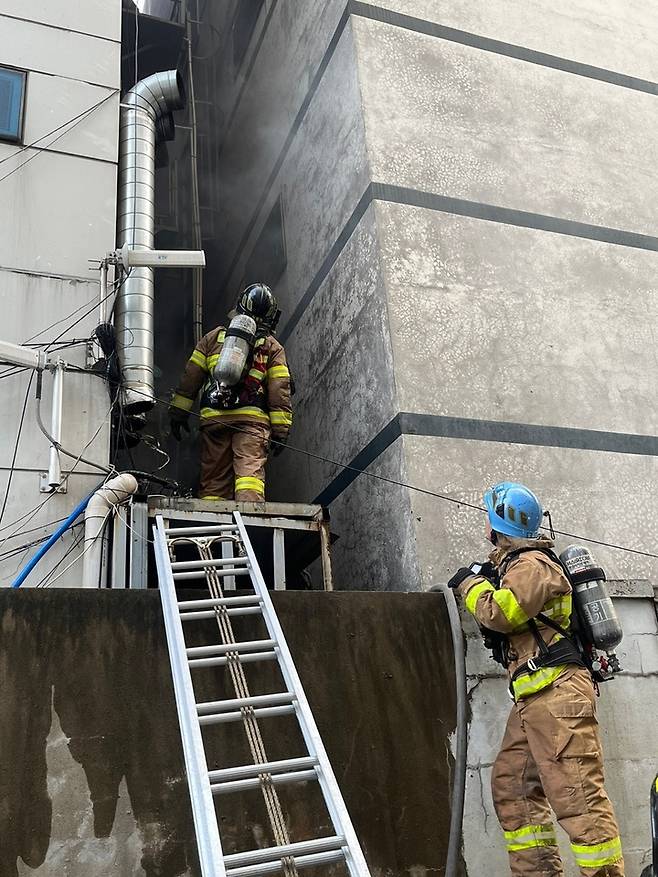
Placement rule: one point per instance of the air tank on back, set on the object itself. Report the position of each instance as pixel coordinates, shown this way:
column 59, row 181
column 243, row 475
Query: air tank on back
column 595, row 608
column 235, row 351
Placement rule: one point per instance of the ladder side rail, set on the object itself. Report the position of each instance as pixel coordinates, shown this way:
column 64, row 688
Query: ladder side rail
column 338, row 813
column 203, row 808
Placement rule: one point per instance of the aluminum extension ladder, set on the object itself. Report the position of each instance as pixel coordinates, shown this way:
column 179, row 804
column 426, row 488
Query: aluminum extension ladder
column 343, row 845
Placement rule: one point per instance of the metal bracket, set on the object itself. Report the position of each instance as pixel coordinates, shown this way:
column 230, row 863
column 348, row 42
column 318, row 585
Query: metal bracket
column 44, row 486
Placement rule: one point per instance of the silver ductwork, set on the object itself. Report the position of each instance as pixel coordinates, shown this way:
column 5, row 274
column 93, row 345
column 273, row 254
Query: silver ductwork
column 145, row 117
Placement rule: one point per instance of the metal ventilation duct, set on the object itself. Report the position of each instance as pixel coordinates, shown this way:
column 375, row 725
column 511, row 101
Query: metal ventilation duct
column 145, row 116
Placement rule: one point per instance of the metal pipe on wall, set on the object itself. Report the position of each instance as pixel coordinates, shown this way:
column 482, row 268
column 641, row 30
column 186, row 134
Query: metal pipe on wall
column 145, row 113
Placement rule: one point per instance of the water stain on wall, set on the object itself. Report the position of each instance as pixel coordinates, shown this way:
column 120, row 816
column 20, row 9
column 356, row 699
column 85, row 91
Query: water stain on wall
column 90, row 757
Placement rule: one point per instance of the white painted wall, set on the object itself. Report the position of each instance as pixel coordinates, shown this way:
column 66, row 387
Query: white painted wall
column 57, row 212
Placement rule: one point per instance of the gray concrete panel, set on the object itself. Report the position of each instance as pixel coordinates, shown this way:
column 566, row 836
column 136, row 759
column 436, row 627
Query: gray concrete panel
column 58, row 232
column 284, row 70
column 453, row 120
column 96, row 17
column 586, row 31
column 61, row 52
column 321, row 180
column 495, row 322
column 341, row 361
column 604, row 496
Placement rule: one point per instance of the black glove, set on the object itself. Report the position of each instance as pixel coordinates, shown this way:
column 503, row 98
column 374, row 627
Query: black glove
column 178, row 421
column 486, row 570
column 280, row 446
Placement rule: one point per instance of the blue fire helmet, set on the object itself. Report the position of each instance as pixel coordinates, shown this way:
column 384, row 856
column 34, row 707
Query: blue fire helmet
column 513, row 510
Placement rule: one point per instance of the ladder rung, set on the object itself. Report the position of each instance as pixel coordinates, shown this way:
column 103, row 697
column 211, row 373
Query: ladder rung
column 200, row 574
column 199, row 616
column 218, row 706
column 246, row 600
column 201, row 563
column 275, row 854
column 263, row 713
column 244, row 659
column 255, row 645
column 201, row 531
column 255, row 770
column 300, row 861
column 279, row 779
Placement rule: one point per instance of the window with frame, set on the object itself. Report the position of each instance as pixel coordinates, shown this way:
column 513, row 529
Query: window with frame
column 12, row 103
column 246, row 16
column 268, row 259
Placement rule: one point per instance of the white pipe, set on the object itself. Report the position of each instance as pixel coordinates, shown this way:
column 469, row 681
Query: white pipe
column 54, row 464
column 97, row 514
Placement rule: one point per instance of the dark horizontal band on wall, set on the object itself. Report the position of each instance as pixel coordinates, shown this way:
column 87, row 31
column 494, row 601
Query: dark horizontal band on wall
column 461, row 207
column 470, row 429
column 376, row 13
column 498, row 47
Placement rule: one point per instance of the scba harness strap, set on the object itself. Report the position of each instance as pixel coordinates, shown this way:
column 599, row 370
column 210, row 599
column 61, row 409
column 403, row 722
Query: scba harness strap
column 567, row 649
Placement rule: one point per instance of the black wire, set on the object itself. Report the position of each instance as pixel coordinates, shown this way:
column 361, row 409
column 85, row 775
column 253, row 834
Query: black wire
column 459, row 502
column 16, row 444
column 72, row 123
column 74, row 544
column 55, row 130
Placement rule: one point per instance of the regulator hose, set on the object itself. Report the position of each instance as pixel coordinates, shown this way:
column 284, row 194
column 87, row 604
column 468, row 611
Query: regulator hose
column 459, row 781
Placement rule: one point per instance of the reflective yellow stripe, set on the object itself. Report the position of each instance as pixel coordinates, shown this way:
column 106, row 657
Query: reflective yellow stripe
column 474, row 594
column 278, row 371
column 213, row 498
column 212, row 361
column 207, row 413
column 259, row 342
column 221, row 336
column 256, row 373
column 656, row 784
column 246, row 483
column 281, row 418
column 199, row 359
column 531, row 683
column 530, row 836
column 597, row 855
column 182, row 402
column 509, row 606
column 559, row 608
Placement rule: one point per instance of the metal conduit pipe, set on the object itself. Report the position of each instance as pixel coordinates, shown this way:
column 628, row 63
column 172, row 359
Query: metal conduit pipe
column 99, row 509
column 145, row 117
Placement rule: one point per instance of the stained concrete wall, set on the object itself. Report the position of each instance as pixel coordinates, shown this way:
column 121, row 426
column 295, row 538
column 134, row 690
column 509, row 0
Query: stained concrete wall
column 57, row 212
column 92, row 779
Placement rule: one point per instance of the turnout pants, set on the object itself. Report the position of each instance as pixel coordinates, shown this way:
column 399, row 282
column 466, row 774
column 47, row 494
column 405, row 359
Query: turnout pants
column 551, row 755
column 233, row 462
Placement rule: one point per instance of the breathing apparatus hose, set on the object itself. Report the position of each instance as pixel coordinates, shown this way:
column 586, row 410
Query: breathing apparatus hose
column 459, row 780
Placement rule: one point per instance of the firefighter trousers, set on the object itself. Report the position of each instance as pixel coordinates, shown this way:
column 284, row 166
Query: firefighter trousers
column 551, row 757
column 233, row 462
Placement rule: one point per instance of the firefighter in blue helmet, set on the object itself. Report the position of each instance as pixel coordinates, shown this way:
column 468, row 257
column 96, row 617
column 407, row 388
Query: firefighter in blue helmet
column 550, row 757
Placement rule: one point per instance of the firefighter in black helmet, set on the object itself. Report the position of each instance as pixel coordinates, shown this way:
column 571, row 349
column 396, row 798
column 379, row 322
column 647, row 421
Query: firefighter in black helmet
column 235, row 438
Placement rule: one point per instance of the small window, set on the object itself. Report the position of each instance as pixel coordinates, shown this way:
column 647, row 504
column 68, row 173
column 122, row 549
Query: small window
column 268, row 259
column 12, row 100
column 244, row 23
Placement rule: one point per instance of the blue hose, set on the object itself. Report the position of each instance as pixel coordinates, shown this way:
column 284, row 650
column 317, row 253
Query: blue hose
column 63, row 527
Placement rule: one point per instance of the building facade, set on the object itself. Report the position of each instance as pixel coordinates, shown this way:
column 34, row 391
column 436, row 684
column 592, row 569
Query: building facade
column 57, row 215
column 453, row 204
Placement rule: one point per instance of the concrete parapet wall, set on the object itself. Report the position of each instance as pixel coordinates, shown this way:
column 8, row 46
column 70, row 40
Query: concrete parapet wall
column 92, row 779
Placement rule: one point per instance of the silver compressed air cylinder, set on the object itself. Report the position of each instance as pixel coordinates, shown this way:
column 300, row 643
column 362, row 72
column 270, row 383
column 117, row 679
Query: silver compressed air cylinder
column 595, row 607
column 235, row 351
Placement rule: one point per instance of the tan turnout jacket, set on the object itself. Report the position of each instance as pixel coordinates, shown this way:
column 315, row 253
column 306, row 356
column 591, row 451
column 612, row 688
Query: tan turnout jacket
column 531, row 583
column 265, row 398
